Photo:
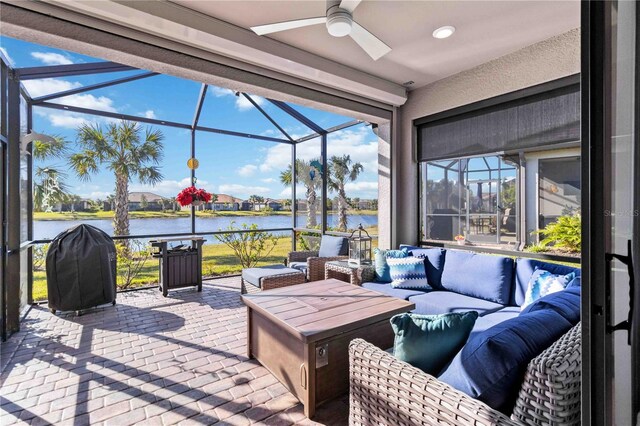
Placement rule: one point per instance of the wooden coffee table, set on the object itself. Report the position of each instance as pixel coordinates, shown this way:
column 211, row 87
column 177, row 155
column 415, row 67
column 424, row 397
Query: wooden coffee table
column 301, row 334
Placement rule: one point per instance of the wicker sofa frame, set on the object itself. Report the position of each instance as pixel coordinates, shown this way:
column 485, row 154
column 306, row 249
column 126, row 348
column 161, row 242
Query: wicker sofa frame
column 315, row 264
column 386, row 391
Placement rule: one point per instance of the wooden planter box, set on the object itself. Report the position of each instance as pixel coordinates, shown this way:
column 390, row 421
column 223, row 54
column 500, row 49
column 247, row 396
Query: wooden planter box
column 179, row 268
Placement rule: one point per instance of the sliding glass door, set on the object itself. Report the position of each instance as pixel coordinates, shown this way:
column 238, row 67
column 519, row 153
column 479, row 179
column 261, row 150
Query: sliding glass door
column 611, row 99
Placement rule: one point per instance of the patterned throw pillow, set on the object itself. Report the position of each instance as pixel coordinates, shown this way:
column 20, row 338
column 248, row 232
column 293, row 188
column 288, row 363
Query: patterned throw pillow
column 408, row 272
column 544, row 282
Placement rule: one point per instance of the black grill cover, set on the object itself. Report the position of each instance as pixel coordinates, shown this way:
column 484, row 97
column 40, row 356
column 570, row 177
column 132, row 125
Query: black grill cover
column 81, row 269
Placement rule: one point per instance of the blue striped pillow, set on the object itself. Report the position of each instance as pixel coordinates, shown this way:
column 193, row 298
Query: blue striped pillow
column 408, row 272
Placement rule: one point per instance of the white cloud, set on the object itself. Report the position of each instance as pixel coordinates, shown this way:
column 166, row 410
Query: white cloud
column 97, row 195
column 169, row 188
column 268, row 180
column 248, row 170
column 37, row 88
column 150, row 114
column 361, row 186
column 7, row 57
column 242, row 103
column 240, row 191
column 50, row 58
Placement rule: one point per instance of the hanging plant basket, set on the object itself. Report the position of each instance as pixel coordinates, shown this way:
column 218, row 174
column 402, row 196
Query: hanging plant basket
column 193, row 196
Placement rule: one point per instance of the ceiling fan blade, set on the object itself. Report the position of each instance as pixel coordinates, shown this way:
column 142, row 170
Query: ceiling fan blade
column 287, row 25
column 349, row 5
column 369, row 43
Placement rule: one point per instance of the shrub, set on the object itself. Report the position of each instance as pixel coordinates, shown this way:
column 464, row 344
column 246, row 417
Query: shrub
column 250, row 246
column 131, row 259
column 564, row 234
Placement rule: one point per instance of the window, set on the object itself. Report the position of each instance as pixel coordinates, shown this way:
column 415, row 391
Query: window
column 558, row 188
column 474, row 197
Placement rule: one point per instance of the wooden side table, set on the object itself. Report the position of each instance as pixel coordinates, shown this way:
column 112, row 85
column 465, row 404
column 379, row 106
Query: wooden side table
column 348, row 272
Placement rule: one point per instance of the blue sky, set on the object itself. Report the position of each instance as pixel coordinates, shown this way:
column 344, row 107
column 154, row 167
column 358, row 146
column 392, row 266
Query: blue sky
column 231, row 165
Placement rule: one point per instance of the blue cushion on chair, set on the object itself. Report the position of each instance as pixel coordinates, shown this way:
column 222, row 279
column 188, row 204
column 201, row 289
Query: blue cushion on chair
column 434, row 259
column 428, row 342
column 565, row 302
column 300, row 266
column 386, row 288
column 331, row 246
column 525, row 268
column 381, row 266
column 491, row 365
column 477, row 275
column 444, row 302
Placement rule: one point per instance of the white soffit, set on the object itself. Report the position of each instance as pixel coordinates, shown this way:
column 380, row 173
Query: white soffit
column 174, row 22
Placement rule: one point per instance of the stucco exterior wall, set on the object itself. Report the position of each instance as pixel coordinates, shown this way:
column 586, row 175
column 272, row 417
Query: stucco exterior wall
column 541, row 62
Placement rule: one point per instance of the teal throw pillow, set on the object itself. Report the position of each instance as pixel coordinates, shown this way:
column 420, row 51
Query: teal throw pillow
column 408, row 272
column 544, row 282
column 381, row 266
column 429, row 342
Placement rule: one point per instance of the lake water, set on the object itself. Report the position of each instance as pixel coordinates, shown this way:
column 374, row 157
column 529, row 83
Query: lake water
column 44, row 229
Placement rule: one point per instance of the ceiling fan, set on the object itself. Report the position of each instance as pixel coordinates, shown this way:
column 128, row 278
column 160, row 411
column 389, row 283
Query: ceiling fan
column 340, row 23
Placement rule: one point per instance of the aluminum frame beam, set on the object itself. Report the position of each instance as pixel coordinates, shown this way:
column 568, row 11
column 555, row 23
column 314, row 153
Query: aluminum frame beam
column 259, row 108
column 34, row 73
column 199, row 105
column 156, row 121
column 298, row 116
column 83, row 89
column 330, row 130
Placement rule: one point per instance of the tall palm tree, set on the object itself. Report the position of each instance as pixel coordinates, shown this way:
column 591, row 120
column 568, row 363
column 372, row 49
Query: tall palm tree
column 312, row 180
column 127, row 152
column 49, row 187
column 341, row 171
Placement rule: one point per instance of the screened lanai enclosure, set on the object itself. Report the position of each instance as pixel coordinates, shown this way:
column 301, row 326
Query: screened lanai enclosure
column 244, row 145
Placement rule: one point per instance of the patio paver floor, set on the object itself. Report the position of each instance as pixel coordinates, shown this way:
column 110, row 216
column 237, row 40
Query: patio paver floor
column 149, row 360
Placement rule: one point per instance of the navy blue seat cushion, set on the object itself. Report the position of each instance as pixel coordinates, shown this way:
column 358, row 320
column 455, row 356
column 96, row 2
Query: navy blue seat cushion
column 300, row 266
column 434, row 260
column 331, row 246
column 444, row 302
column 525, row 268
column 576, row 282
column 494, row 318
column 386, row 288
column 254, row 275
column 478, row 275
column 565, row 302
column 491, row 366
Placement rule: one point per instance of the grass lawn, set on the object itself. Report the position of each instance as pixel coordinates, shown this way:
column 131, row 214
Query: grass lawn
column 217, row 260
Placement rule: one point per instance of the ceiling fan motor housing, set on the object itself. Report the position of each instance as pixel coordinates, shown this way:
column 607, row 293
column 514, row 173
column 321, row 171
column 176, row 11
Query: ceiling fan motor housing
column 338, row 21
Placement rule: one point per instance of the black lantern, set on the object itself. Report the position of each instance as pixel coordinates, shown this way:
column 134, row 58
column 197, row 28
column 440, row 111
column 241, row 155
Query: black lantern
column 360, row 247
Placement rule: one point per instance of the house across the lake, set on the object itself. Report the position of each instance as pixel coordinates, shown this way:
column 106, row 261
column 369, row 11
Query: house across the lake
column 146, row 201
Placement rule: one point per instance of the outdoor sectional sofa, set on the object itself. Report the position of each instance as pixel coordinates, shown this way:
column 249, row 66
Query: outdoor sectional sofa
column 385, row 390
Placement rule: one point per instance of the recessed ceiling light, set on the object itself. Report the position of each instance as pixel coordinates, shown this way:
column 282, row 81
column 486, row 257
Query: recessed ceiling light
column 444, row 32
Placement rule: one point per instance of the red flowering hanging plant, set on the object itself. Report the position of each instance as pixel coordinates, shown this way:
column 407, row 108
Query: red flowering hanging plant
column 193, row 195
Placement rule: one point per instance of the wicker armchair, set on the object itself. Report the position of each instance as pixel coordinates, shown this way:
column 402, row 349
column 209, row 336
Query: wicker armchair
column 386, row 391
column 315, row 264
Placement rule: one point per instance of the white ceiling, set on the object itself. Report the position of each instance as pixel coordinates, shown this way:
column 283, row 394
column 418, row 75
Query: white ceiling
column 485, row 30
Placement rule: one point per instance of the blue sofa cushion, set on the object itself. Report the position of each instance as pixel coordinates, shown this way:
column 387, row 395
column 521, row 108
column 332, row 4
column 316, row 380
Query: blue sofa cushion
column 429, row 342
column 483, row 276
column 331, row 246
column 300, row 266
column 434, row 259
column 543, row 283
column 381, row 265
column 576, row 282
column 494, row 318
column 255, row 275
column 491, row 365
column 408, row 272
column 565, row 302
column 444, row 302
column 386, row 288
column 525, row 268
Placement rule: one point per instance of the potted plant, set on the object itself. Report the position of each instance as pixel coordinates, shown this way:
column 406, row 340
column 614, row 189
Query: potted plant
column 460, row 239
column 193, row 196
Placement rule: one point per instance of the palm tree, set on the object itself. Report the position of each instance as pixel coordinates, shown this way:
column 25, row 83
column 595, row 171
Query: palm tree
column 312, row 180
column 341, row 171
column 124, row 150
column 255, row 199
column 49, row 188
column 111, row 199
column 174, row 203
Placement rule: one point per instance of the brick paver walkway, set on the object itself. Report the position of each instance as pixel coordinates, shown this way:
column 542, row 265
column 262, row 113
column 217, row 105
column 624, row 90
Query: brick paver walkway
column 148, row 360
